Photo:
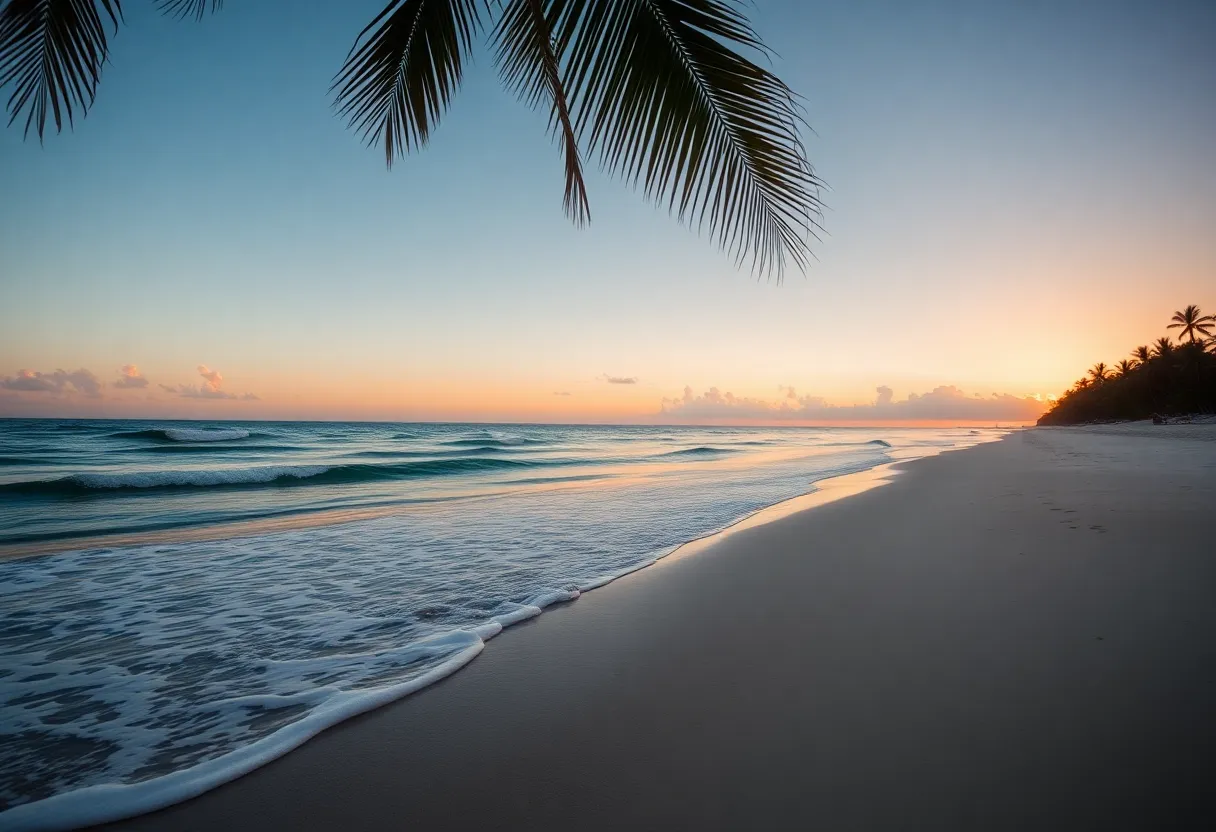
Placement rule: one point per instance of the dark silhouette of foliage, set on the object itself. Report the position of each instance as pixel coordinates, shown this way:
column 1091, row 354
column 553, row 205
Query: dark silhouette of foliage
column 661, row 91
column 1167, row 380
column 1191, row 321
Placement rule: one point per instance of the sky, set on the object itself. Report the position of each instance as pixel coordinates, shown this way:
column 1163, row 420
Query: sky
column 1016, row 191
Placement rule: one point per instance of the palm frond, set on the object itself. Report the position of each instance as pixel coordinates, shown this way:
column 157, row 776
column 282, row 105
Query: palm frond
column 529, row 63
column 52, row 52
column 182, row 9
column 663, row 95
column 403, row 69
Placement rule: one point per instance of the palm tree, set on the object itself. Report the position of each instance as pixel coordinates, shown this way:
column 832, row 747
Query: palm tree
column 1190, row 321
column 1124, row 368
column 1099, row 372
column 1163, row 347
column 660, row 90
column 1142, row 355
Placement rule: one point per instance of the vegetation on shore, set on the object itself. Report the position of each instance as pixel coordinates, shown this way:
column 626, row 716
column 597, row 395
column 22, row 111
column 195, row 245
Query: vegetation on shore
column 1166, row 379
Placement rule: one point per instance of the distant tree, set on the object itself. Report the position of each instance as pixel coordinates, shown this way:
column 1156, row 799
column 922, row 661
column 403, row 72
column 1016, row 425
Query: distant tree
column 1142, row 355
column 1099, row 372
column 1124, row 368
column 662, row 92
column 1163, row 348
column 1191, row 321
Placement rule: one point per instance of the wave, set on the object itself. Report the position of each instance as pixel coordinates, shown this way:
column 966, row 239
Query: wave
column 208, row 448
column 882, row 443
column 469, row 451
column 276, row 475
column 324, row 708
column 499, row 442
column 185, row 434
column 20, row 460
column 703, row 450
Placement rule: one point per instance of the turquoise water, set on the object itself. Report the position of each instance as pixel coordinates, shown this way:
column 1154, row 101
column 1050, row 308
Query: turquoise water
column 143, row 672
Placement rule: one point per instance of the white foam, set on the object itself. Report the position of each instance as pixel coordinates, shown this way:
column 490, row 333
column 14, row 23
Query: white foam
column 223, row 476
column 111, row 802
column 196, row 435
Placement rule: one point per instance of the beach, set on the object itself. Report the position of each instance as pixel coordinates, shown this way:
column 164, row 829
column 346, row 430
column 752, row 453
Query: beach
column 1016, row 635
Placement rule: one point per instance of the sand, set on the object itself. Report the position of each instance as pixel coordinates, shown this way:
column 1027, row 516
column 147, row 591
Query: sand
column 1017, row 636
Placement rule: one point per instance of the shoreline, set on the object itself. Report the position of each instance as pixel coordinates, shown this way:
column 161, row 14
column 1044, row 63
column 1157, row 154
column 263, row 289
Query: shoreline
column 993, row 633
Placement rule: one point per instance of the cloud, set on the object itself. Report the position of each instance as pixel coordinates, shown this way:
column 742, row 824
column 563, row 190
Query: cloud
column 943, row 403
column 131, row 378
column 561, row 393
column 620, row 379
column 211, row 378
column 56, row 383
column 211, row 388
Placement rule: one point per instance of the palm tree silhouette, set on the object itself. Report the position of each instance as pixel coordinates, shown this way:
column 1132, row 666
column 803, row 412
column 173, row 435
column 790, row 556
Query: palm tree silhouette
column 1099, row 372
column 1141, row 354
column 1163, row 347
column 1191, row 321
column 660, row 90
column 1124, row 368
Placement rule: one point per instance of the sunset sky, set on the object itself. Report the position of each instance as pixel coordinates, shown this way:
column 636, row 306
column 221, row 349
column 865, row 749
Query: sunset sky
column 1017, row 190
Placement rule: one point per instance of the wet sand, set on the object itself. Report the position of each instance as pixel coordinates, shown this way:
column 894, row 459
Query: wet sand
column 1020, row 635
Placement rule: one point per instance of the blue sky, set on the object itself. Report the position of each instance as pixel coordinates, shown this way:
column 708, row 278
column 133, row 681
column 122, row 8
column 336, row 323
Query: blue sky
column 1017, row 191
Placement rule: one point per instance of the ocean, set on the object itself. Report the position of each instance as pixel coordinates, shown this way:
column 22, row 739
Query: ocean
column 221, row 592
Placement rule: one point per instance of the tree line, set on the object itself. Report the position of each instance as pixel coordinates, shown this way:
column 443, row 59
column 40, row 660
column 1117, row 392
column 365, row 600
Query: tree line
column 1165, row 379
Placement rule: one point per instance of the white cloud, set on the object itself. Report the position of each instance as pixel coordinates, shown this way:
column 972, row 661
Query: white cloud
column 131, row 378
column 943, row 403
column 620, row 379
column 210, row 388
column 59, row 382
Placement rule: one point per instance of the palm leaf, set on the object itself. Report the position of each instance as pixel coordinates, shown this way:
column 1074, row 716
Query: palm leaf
column 660, row 91
column 188, row 8
column 403, row 69
column 52, row 52
column 529, row 63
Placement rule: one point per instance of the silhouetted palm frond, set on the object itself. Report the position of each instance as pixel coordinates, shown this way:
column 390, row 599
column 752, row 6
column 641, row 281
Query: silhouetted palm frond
column 52, row 52
column 662, row 94
column 403, row 69
column 529, row 62
column 661, row 90
column 1192, row 322
column 189, row 8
